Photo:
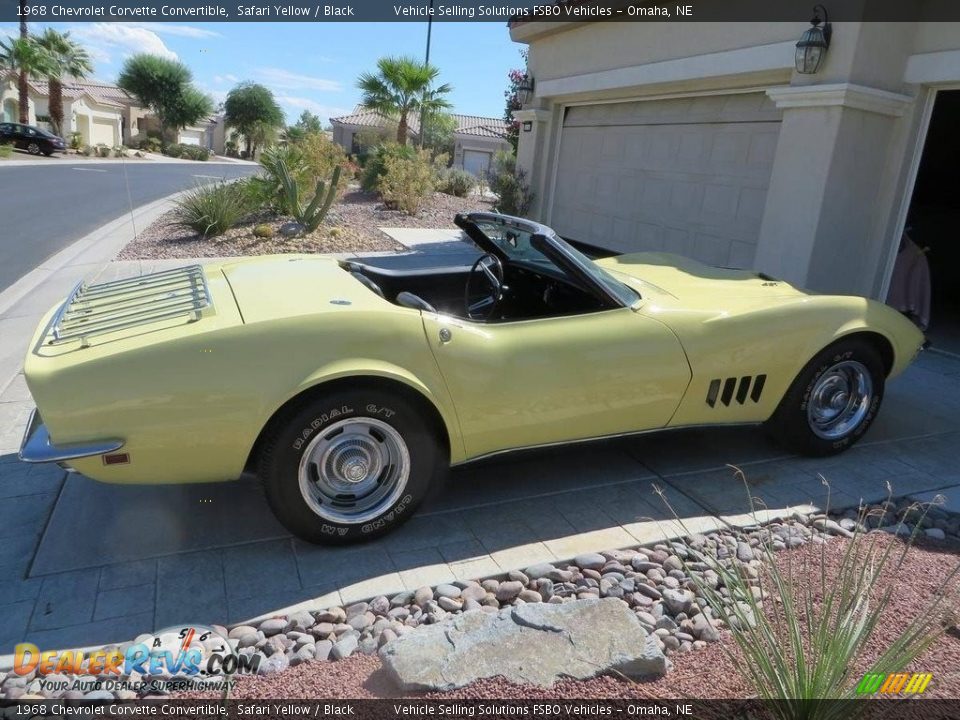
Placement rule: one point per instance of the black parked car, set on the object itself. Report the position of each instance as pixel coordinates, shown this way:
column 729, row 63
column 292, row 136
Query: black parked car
column 32, row 139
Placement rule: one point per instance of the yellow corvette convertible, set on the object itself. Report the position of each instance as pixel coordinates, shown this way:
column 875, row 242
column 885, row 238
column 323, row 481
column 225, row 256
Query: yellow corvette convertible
column 350, row 388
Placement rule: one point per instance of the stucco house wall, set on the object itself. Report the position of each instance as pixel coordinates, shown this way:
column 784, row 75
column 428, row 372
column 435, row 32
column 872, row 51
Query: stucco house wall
column 847, row 140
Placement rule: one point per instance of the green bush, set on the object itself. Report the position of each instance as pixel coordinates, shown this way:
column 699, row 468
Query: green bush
column 213, row 209
column 5, row 150
column 375, row 166
column 174, row 150
column 509, row 184
column 269, row 185
column 88, row 150
column 189, row 152
column 406, row 181
column 454, row 181
column 76, row 141
column 150, row 144
column 103, row 150
column 119, row 151
column 263, row 231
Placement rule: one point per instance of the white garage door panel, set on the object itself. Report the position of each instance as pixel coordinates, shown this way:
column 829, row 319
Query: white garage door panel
column 476, row 162
column 101, row 131
column 191, row 137
column 688, row 176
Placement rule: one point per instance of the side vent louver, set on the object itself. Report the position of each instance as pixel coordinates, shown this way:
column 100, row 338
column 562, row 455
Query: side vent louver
column 740, row 386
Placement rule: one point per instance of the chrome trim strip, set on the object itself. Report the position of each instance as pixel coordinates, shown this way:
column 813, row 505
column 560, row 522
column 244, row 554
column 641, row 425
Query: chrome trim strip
column 36, row 446
column 598, row 438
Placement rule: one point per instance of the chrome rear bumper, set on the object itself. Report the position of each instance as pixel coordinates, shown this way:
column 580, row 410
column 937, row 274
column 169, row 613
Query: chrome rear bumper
column 37, row 448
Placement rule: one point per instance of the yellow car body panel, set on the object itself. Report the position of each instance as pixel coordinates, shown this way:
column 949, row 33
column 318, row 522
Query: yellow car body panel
column 189, row 399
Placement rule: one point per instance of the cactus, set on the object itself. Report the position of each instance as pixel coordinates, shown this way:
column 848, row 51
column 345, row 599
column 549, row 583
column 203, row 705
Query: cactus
column 313, row 214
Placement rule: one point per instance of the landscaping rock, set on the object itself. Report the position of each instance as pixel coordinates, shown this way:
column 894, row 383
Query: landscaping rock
column 537, row 643
column 590, row 561
column 273, row 626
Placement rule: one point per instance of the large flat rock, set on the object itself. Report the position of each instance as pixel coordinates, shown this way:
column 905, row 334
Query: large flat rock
column 536, row 643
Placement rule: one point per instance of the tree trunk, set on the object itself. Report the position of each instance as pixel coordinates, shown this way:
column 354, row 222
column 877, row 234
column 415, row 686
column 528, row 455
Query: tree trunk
column 402, row 129
column 55, row 92
column 23, row 98
column 249, row 147
column 23, row 95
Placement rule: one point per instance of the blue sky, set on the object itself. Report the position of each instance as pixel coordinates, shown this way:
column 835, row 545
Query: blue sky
column 310, row 66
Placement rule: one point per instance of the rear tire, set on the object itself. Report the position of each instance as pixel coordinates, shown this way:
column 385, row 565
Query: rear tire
column 349, row 467
column 833, row 400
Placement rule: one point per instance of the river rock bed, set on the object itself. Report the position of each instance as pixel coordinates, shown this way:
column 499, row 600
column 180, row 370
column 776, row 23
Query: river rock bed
column 660, row 584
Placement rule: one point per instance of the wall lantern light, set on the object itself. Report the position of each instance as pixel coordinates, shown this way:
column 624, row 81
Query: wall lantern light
column 525, row 90
column 813, row 44
column 527, row 125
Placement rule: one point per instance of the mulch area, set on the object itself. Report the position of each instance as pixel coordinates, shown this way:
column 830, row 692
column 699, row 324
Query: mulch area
column 703, row 674
column 351, row 226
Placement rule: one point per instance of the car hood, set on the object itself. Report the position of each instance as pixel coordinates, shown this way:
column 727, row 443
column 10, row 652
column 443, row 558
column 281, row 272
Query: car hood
column 665, row 275
column 277, row 286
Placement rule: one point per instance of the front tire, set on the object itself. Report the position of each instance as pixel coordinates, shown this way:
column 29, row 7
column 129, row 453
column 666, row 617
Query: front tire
column 33, row 148
column 349, row 467
column 833, row 400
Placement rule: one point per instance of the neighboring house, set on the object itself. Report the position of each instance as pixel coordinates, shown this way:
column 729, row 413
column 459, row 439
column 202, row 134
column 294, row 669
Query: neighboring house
column 704, row 140
column 102, row 113
column 476, row 138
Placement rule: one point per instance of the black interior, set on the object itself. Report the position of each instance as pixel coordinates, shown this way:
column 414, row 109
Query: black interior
column 528, row 293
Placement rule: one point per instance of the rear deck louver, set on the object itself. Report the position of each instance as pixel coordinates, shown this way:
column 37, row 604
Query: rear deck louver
column 125, row 304
column 736, row 388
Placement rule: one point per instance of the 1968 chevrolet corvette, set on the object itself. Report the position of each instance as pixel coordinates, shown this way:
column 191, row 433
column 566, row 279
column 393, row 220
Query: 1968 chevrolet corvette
column 349, row 388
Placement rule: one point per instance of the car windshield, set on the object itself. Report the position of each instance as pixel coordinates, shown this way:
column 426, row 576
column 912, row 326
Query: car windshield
column 520, row 248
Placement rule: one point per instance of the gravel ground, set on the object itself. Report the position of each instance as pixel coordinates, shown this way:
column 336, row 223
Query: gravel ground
column 351, row 226
column 708, row 673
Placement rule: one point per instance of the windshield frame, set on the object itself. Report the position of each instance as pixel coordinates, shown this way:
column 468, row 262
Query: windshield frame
column 577, row 266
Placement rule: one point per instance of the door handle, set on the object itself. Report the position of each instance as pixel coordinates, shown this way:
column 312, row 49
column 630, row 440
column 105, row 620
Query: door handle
column 445, row 335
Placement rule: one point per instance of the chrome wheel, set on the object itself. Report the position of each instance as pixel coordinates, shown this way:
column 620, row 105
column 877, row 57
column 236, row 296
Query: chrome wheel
column 354, row 470
column 840, row 400
column 33, row 148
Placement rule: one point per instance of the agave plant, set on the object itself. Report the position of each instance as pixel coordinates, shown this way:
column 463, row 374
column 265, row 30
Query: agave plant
column 801, row 651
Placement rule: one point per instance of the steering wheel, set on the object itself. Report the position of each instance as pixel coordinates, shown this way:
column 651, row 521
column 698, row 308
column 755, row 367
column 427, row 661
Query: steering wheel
column 490, row 268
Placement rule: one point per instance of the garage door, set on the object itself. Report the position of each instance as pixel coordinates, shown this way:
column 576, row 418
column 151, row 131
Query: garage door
column 101, row 131
column 192, row 137
column 687, row 176
column 476, row 162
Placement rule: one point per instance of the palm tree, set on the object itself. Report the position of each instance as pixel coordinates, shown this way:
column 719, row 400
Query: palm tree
column 24, row 57
column 402, row 85
column 67, row 58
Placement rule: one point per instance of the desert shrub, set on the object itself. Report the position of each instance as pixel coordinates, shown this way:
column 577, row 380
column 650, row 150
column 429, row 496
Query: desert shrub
column 263, row 231
column 150, row 144
column 406, row 181
column 375, row 166
column 454, row 181
column 801, row 648
column 119, row 151
column 174, row 150
column 509, row 184
column 103, row 150
column 88, row 150
column 5, row 150
column 76, row 141
column 213, row 209
column 196, row 152
column 320, row 156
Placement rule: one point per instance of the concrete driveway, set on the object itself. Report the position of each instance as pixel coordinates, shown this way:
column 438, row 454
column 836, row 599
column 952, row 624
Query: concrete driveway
column 83, row 563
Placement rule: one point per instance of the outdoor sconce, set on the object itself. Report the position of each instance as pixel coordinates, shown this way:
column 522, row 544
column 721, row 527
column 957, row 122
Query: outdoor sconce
column 813, row 44
column 527, row 125
column 525, row 90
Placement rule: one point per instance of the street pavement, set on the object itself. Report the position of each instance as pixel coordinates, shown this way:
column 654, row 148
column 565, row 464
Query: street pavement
column 46, row 206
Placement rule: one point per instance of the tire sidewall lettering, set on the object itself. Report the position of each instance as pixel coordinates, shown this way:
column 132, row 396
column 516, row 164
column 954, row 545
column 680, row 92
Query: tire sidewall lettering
column 337, row 413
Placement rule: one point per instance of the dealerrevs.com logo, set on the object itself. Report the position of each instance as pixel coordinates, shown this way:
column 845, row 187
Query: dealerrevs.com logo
column 894, row 683
column 177, row 658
